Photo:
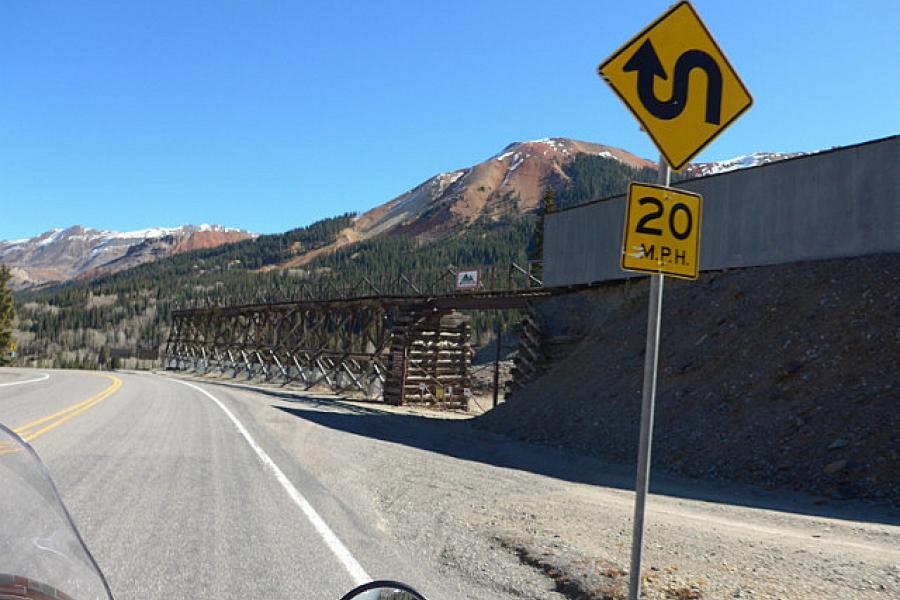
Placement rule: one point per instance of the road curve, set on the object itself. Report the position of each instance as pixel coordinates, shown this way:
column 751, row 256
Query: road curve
column 170, row 487
column 189, row 488
column 9, row 377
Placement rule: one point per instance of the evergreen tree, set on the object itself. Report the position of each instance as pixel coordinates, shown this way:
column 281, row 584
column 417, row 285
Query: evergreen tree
column 129, row 312
column 593, row 178
column 7, row 314
column 103, row 356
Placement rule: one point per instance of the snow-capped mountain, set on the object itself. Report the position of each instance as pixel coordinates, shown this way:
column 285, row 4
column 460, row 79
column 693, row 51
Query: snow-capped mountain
column 739, row 162
column 511, row 181
column 63, row 254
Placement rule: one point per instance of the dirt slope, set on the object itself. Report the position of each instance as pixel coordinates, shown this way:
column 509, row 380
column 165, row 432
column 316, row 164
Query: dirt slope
column 510, row 182
column 781, row 376
column 203, row 240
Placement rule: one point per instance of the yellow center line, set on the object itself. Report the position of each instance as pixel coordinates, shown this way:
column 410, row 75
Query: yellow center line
column 28, row 432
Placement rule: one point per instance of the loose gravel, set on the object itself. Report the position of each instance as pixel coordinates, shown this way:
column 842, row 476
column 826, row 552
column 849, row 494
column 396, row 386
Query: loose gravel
column 515, row 520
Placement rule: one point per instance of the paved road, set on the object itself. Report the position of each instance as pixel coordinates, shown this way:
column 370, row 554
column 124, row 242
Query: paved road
column 172, row 499
column 222, row 491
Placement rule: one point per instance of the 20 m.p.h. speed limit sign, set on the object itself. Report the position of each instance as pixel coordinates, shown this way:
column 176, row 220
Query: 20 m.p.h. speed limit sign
column 662, row 231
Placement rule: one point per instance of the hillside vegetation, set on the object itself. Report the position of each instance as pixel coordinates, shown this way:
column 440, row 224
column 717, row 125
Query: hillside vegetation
column 122, row 319
column 127, row 313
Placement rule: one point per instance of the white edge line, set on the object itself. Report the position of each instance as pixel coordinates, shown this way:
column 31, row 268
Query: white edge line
column 334, row 544
column 43, row 377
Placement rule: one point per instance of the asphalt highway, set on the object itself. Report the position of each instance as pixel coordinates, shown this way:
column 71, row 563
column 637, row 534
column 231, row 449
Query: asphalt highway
column 180, row 493
column 198, row 488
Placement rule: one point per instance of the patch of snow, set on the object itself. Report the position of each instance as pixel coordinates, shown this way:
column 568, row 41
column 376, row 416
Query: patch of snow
column 518, row 159
column 156, row 232
column 446, row 179
column 152, row 232
column 54, row 235
column 740, row 162
column 610, row 155
column 553, row 143
column 439, row 184
column 208, row 227
column 104, row 237
column 548, row 141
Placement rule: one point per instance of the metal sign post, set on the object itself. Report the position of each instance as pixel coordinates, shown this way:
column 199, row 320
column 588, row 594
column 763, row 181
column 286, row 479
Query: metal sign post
column 497, row 365
column 696, row 111
column 648, row 403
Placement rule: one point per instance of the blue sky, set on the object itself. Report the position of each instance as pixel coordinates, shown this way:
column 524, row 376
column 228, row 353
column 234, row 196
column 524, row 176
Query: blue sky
column 269, row 115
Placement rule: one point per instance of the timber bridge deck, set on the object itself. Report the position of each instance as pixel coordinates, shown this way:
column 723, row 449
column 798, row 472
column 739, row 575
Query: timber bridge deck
column 400, row 348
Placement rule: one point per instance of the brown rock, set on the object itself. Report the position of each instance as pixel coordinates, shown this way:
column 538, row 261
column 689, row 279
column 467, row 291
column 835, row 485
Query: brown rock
column 832, row 468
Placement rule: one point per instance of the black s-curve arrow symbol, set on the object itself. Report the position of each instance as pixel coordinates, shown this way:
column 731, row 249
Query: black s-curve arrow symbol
column 646, row 62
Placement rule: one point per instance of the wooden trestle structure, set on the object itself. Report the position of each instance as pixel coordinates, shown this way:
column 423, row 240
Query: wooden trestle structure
column 404, row 349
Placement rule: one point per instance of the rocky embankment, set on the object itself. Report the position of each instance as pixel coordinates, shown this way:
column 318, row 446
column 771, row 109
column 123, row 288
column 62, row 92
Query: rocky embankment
column 785, row 376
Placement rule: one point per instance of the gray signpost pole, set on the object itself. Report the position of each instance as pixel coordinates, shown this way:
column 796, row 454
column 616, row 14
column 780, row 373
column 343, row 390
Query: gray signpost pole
column 648, row 402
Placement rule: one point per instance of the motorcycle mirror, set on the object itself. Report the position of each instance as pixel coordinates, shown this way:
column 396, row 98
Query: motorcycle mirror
column 42, row 555
column 383, row 590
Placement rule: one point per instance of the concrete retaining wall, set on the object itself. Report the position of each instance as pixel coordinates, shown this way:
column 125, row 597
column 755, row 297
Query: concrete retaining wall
column 835, row 204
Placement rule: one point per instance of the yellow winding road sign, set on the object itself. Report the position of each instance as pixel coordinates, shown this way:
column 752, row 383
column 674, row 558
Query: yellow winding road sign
column 678, row 83
column 662, row 231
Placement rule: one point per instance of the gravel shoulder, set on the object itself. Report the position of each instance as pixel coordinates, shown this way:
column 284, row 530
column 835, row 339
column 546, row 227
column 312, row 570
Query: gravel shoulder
column 524, row 521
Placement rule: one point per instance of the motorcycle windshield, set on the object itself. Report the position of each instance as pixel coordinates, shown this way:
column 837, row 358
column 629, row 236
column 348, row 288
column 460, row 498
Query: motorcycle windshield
column 41, row 552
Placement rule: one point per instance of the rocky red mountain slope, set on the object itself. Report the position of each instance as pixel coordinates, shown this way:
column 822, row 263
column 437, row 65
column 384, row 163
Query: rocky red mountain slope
column 511, row 182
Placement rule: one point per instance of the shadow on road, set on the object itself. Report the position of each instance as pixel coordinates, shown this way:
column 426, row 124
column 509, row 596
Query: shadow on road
column 458, row 438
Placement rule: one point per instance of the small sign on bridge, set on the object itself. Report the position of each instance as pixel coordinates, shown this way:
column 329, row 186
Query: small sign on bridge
column 468, row 280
